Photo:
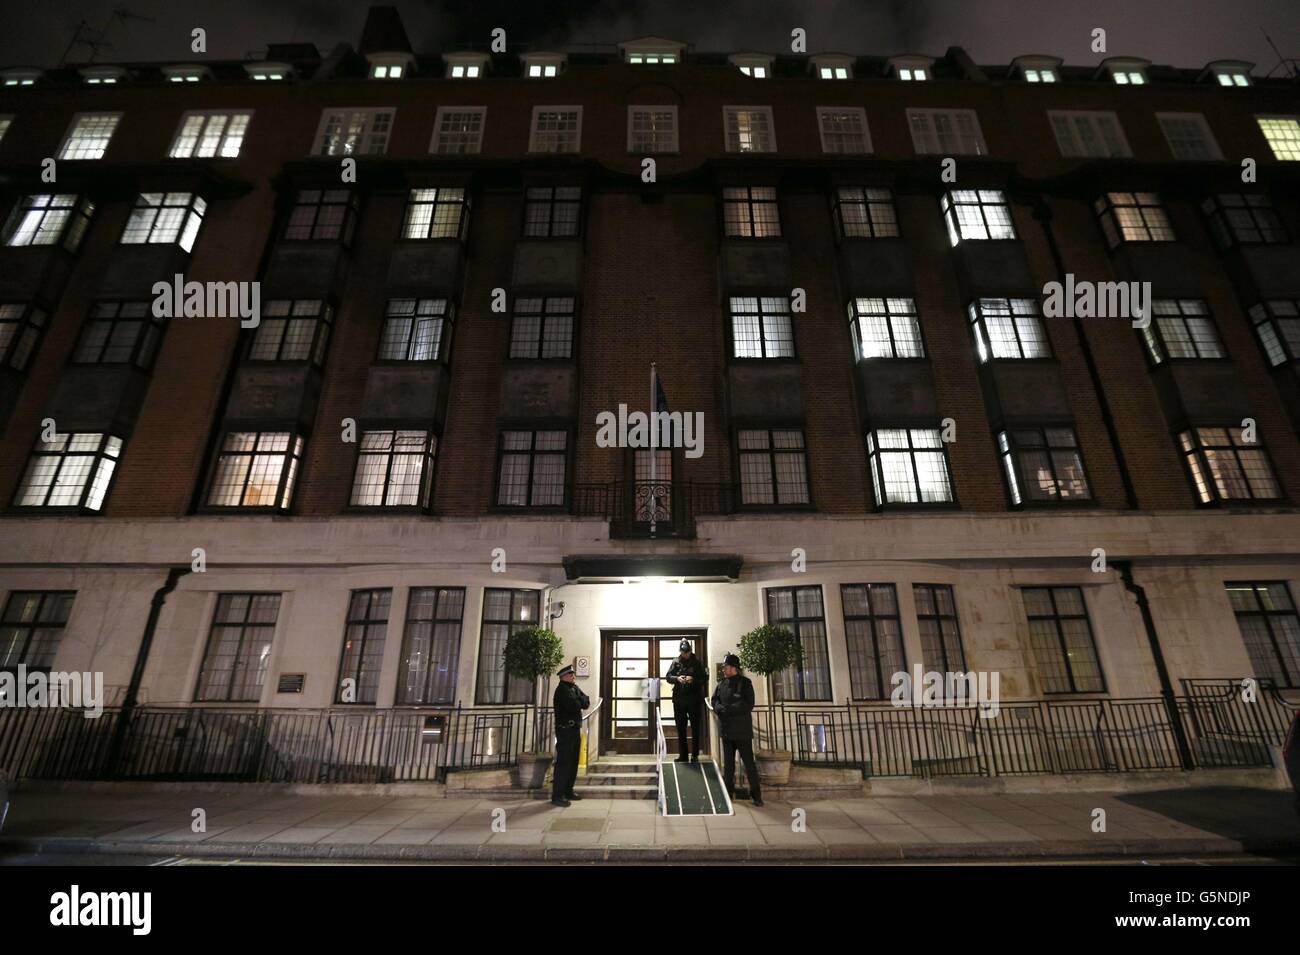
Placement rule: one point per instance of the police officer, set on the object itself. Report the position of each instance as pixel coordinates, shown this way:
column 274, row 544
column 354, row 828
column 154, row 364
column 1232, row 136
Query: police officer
column 733, row 701
column 690, row 682
column 569, row 703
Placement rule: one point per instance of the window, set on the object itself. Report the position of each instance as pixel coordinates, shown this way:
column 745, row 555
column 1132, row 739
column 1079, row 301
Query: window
column 49, row 220
column 976, row 214
column 120, row 333
column 874, row 637
column 466, row 66
column 1266, row 616
column 835, row 72
column 1243, row 218
column 908, row 466
column 1277, row 323
column 1041, row 74
column 354, row 132
column 458, row 130
column 504, row 612
column 32, row 627
column 552, row 212
column 542, row 65
column 652, row 129
column 268, row 72
column 1088, row 133
column 207, row 135
column 1133, row 217
column 256, row 469
column 773, row 467
column 542, row 327
column 749, row 129
column 750, row 212
column 1061, row 638
column 394, row 469
column 913, row 74
column 1043, row 465
column 239, row 648
column 885, row 328
column 328, row 214
column 799, row 609
column 948, row 131
column 531, row 468
column 1189, row 136
column 556, row 129
column 186, row 74
column 363, row 646
column 761, row 327
column 1181, row 328
column 438, row 213
column 1127, row 76
column 89, row 135
column 292, row 330
column 165, row 218
column 20, row 330
column 844, row 130
column 1226, row 467
column 1008, row 328
column 19, row 76
column 430, row 646
column 754, row 65
column 1283, row 136
column 416, row 329
column 70, row 470
column 390, row 66
column 865, row 213
column 936, row 617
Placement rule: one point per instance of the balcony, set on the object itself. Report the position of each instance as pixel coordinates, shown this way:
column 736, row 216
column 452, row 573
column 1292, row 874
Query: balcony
column 653, row 509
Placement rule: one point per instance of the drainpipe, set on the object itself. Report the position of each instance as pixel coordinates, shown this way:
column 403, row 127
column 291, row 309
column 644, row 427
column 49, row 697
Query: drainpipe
column 174, row 574
column 1139, row 593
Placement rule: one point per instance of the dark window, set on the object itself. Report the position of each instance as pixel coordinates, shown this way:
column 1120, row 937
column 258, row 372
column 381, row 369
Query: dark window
column 256, row 469
column 20, row 330
column 773, row 466
column 394, row 469
column 32, row 627
column 1238, row 218
column 1133, row 217
column 297, row 330
column 800, row 610
column 239, row 648
column 936, row 616
column 120, row 333
column 328, row 214
column 761, row 327
column 70, row 470
column 1181, row 328
column 531, row 468
column 504, row 612
column 49, row 220
column 908, row 466
column 1277, row 323
column 552, row 212
column 416, row 329
column 1043, row 464
column 363, row 645
column 750, row 212
column 1062, row 642
column 431, row 646
column 439, row 213
column 1266, row 616
column 865, row 213
column 1226, row 467
column 875, row 639
column 542, row 327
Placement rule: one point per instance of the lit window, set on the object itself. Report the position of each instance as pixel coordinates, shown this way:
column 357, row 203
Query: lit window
column 70, row 470
column 49, row 220
column 504, row 612
column 757, row 66
column 458, row 130
column 844, row 130
column 416, row 329
column 163, row 218
column 1043, row 74
column 556, row 129
column 801, row 611
column 552, row 212
column 1233, row 79
column 1277, row 323
column 256, row 469
column 1008, row 328
column 120, row 333
column 1133, row 217
column 394, row 469
column 761, row 327
column 833, row 72
column 1266, row 616
column 438, row 213
column 652, row 59
column 952, row 132
column 773, row 467
column 1088, row 133
column 207, row 135
column 268, row 72
column 89, row 135
column 387, row 71
column 32, row 628
column 652, row 129
column 1043, row 465
column 1238, row 218
column 542, row 65
column 1126, row 77
column 239, row 648
column 865, row 213
column 431, row 646
column 460, row 71
column 1224, row 466
column 912, row 74
column 542, row 327
column 354, row 132
column 1189, row 136
column 1283, row 135
column 978, row 214
column 21, row 325
column 749, row 129
column 1062, row 642
column 885, row 328
column 1181, row 328
column 102, row 75
column 292, row 330
column 908, row 466
column 185, row 74
column 20, row 77
column 750, row 212
column 328, row 214
column 757, row 72
column 531, row 467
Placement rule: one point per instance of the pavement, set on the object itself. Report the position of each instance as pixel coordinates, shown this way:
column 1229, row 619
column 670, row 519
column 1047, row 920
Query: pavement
column 406, row 828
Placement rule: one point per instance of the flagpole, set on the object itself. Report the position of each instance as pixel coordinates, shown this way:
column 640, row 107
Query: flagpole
column 654, row 454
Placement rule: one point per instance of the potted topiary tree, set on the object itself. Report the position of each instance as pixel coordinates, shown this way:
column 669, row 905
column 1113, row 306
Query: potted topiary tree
column 766, row 650
column 533, row 654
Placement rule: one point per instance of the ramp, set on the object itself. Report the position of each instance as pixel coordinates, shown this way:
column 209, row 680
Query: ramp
column 693, row 789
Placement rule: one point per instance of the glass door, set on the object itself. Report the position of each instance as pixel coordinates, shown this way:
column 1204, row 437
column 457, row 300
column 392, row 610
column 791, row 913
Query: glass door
column 630, row 660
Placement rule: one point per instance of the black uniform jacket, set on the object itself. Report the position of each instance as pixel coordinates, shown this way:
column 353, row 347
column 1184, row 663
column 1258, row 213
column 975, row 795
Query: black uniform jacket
column 695, row 691
column 569, row 703
column 733, row 701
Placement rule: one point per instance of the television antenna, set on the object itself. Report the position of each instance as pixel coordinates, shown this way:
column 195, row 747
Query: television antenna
column 1289, row 65
column 95, row 40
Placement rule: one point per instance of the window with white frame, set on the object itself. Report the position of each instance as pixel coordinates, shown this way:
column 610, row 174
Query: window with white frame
column 293, row 330
column 750, row 212
column 952, row 132
column 542, row 327
column 1277, row 324
column 1043, row 465
column 862, row 212
column 1224, row 466
column 1091, row 133
column 458, row 130
column 394, row 469
column 908, row 466
column 354, row 132
column 844, row 130
column 773, row 466
column 21, row 324
column 978, row 214
column 416, row 329
column 556, row 129
column 440, row 212
column 552, row 212
column 885, row 328
column 165, row 218
column 71, row 470
column 1181, row 328
column 652, row 129
column 256, row 469
column 119, row 333
column 89, row 135
column 322, row 214
column 60, row 219
column 1008, row 328
column 1283, row 136
column 1189, row 136
column 1133, row 217
column 749, row 129
column 761, row 327
column 205, row 135
column 1243, row 218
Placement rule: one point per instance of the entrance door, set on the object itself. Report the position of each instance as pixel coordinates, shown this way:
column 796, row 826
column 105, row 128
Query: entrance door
column 630, row 658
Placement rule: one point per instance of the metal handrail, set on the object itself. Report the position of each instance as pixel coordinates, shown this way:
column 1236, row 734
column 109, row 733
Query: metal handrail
column 661, row 751
column 586, row 740
column 715, row 737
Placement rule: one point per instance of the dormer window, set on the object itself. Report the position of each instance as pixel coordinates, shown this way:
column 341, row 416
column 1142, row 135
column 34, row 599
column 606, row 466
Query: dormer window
column 652, row 51
column 390, row 66
column 542, row 66
column 102, row 75
column 268, row 72
column 1037, row 69
column 466, row 66
column 832, row 67
column 1126, row 72
column 1229, row 72
column 757, row 66
column 20, row 77
column 912, row 69
column 186, row 73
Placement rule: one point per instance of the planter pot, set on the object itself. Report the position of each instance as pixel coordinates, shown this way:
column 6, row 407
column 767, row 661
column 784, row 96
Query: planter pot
column 531, row 771
column 774, row 766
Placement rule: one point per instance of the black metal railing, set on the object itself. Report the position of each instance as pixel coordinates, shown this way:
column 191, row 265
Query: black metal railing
column 652, row 508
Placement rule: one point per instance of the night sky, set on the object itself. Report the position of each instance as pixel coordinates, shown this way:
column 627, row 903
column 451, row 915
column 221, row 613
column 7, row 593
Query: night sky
column 1176, row 32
